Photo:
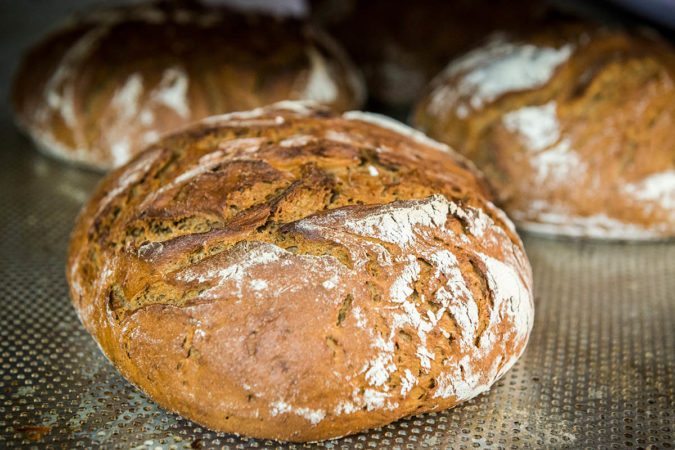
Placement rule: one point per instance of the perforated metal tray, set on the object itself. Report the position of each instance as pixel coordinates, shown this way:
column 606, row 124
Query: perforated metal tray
column 598, row 371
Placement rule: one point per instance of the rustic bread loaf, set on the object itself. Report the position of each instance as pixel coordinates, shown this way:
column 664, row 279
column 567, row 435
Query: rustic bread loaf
column 290, row 274
column 400, row 44
column 112, row 81
column 574, row 126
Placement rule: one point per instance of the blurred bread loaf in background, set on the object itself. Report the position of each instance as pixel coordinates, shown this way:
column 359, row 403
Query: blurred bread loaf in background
column 111, row 81
column 400, row 45
column 573, row 125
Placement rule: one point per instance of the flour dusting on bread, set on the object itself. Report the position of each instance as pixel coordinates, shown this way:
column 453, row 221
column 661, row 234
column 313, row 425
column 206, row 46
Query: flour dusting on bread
column 172, row 91
column 659, row 187
column 572, row 125
column 273, row 265
column 319, row 83
column 538, row 125
column 403, row 224
column 180, row 63
column 493, row 70
column 396, row 126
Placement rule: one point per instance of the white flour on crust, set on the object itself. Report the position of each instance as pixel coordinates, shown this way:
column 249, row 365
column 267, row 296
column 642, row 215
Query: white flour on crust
column 497, row 68
column 407, row 227
column 555, row 162
column 658, row 188
column 236, row 118
column 134, row 106
column 552, row 157
column 403, row 225
column 403, row 237
column 398, row 127
column 319, row 84
column 598, row 226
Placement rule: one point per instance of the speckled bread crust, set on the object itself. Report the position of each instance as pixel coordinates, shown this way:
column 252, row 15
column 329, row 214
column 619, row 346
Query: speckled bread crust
column 402, row 44
column 290, row 274
column 574, row 126
column 113, row 81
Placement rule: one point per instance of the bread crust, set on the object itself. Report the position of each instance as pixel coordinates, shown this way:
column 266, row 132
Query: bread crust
column 401, row 45
column 110, row 82
column 292, row 274
column 573, row 125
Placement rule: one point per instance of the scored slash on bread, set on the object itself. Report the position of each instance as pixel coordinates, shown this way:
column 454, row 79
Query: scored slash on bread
column 293, row 274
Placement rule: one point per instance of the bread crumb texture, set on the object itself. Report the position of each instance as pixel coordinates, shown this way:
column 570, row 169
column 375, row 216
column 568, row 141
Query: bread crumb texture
column 574, row 127
column 292, row 274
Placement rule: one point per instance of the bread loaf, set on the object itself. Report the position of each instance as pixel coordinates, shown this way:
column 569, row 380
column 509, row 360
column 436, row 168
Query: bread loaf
column 291, row 274
column 401, row 45
column 112, row 81
column 573, row 125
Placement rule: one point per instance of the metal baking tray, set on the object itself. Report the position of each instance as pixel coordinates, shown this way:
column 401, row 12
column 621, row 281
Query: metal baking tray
column 598, row 372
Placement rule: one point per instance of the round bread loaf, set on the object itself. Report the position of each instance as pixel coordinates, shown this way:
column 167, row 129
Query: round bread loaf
column 400, row 44
column 574, row 127
column 290, row 274
column 111, row 82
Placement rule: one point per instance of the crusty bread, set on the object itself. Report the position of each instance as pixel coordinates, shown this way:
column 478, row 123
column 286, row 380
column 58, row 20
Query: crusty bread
column 573, row 125
column 401, row 44
column 291, row 274
column 112, row 81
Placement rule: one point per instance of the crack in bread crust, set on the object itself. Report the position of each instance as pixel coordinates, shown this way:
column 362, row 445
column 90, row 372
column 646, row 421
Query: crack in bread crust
column 323, row 275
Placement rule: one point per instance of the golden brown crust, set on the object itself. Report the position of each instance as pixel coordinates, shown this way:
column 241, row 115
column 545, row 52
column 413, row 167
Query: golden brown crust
column 574, row 126
column 291, row 274
column 111, row 82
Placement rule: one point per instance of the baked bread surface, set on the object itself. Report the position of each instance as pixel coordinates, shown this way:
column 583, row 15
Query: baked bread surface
column 112, row 81
column 291, row 274
column 573, row 126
